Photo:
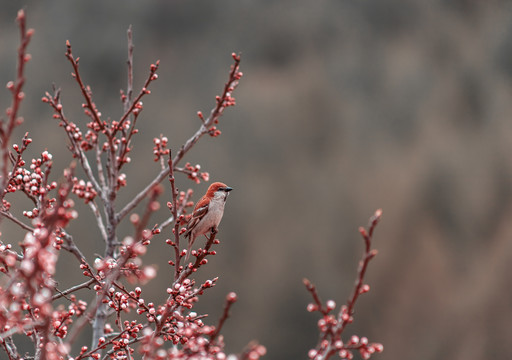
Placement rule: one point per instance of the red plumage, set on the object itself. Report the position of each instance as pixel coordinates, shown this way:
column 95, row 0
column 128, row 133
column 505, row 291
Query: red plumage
column 207, row 213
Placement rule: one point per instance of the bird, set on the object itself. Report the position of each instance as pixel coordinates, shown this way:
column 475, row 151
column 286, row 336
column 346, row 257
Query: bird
column 207, row 213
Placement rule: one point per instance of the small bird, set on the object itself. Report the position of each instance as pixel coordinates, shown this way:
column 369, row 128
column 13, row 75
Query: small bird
column 207, row 213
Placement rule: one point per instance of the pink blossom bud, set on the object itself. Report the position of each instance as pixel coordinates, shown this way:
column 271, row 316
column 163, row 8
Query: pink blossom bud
column 364, row 354
column 365, row 288
column 378, row 347
column 231, row 297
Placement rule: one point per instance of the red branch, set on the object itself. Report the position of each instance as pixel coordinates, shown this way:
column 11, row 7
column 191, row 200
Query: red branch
column 332, row 327
column 15, row 87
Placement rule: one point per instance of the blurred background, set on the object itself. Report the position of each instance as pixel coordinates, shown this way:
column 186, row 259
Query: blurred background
column 346, row 106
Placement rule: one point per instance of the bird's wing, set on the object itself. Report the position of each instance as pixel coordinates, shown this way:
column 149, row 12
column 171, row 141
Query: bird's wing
column 199, row 212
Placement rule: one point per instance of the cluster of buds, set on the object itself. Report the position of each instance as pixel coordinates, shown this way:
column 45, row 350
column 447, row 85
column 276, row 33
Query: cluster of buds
column 227, row 98
column 60, row 236
column 121, row 301
column 84, row 190
column 214, row 132
column 160, row 149
column 121, row 181
column 63, row 317
column 121, row 343
column 346, row 350
column 194, row 173
column 183, row 294
column 31, row 181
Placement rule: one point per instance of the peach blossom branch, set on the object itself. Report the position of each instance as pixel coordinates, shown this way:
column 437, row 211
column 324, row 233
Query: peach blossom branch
column 16, row 88
column 331, row 327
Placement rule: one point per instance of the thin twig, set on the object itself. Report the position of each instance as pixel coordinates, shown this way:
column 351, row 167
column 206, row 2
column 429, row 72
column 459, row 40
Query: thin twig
column 174, row 210
column 99, row 219
column 70, row 246
column 85, row 92
column 129, row 87
column 72, row 289
column 230, row 300
column 17, row 221
column 332, row 334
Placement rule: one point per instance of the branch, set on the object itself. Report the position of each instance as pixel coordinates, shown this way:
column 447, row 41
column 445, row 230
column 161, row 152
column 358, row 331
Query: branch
column 331, row 328
column 54, row 102
column 72, row 289
column 94, row 114
column 363, row 265
column 129, row 88
column 174, row 209
column 17, row 96
column 230, row 300
column 17, row 221
column 10, row 349
column 99, row 220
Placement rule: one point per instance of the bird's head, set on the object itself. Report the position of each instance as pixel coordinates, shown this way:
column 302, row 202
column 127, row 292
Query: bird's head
column 218, row 189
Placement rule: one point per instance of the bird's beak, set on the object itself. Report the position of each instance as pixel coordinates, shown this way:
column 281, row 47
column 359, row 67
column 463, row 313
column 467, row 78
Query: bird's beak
column 228, row 189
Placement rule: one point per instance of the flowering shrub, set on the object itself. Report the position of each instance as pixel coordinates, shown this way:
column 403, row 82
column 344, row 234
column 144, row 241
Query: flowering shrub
column 29, row 291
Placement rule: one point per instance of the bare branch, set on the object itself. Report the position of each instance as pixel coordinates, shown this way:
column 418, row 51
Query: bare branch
column 17, row 221
column 72, row 289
